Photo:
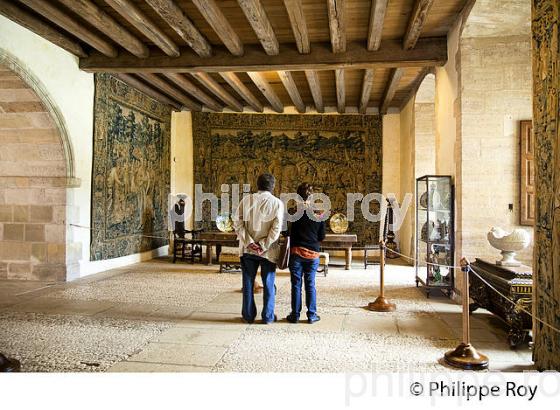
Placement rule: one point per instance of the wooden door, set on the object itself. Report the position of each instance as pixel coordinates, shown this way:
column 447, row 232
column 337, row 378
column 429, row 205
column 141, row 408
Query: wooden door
column 527, row 213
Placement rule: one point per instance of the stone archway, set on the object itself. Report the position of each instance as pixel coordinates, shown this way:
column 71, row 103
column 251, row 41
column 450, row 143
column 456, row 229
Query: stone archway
column 36, row 167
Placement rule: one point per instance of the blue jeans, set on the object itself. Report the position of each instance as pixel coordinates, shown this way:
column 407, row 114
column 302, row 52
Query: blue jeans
column 249, row 266
column 301, row 268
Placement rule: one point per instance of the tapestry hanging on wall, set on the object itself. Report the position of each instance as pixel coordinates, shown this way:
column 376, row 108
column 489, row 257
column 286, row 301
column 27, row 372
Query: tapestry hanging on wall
column 131, row 177
column 338, row 154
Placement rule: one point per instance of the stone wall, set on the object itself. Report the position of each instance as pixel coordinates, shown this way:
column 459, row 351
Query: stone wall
column 546, row 117
column 496, row 93
column 32, row 185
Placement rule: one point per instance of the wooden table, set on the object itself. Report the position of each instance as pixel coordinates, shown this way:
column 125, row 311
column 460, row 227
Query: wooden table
column 332, row 241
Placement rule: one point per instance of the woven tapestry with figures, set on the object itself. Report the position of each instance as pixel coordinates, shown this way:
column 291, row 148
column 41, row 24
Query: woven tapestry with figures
column 131, row 174
column 338, row 154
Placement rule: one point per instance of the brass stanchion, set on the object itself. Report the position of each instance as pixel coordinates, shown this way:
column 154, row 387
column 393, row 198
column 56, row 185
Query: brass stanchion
column 465, row 356
column 8, row 365
column 381, row 304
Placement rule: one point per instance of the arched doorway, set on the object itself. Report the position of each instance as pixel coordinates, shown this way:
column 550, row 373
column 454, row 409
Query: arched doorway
column 35, row 171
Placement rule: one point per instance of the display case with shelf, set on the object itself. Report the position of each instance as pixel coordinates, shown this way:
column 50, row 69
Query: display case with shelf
column 435, row 233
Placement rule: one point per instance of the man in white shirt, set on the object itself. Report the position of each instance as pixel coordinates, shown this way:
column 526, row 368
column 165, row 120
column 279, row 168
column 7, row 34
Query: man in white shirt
column 258, row 222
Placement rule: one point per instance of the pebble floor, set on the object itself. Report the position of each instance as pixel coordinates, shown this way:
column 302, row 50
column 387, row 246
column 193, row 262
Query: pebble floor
column 161, row 317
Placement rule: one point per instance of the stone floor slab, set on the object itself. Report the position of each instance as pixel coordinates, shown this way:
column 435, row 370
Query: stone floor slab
column 145, row 367
column 181, row 354
column 197, row 336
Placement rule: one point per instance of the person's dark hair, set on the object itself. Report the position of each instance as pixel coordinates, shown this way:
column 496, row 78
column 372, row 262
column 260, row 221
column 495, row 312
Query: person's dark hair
column 305, row 190
column 265, row 182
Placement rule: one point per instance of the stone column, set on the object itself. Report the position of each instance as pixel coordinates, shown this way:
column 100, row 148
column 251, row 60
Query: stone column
column 546, row 117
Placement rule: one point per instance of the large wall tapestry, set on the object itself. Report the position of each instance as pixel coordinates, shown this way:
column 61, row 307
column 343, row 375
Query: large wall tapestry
column 337, row 153
column 131, row 175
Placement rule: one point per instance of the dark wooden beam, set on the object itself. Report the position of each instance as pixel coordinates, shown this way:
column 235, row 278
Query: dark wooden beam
column 107, row 25
column 315, row 88
column 256, row 15
column 428, row 52
column 140, row 86
column 219, row 91
column 416, row 22
column 337, row 25
column 291, row 88
column 233, row 80
column 138, row 19
column 416, row 84
column 299, row 25
column 376, row 20
column 340, row 91
column 391, row 89
column 63, row 20
column 216, row 19
column 267, row 91
column 367, row 84
column 32, row 23
column 193, row 90
column 174, row 16
column 168, row 89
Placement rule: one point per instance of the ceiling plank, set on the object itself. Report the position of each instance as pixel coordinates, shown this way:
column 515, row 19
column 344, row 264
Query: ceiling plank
column 69, row 24
column 367, row 84
column 315, row 88
column 195, row 91
column 178, row 21
column 391, row 88
column 336, row 25
column 340, row 90
column 216, row 19
column 428, row 52
column 32, row 23
column 233, row 80
column 168, row 89
column 376, row 20
column 416, row 22
column 139, row 85
column 138, row 19
column 416, row 84
column 256, row 15
column 291, row 88
column 106, row 24
column 267, row 91
column 218, row 91
column 299, row 25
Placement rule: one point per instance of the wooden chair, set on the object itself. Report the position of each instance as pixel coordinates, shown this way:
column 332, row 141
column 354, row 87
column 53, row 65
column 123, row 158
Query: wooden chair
column 368, row 259
column 187, row 245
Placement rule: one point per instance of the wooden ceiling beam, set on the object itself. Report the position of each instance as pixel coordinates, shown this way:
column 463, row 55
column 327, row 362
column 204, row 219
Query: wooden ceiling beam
column 256, row 15
column 291, row 88
column 336, row 25
column 63, row 20
column 32, row 23
column 140, row 86
column 216, row 19
column 299, row 25
column 183, row 26
column 219, row 91
column 428, row 52
column 376, row 20
column 391, row 88
column 267, row 91
column 367, row 84
column 416, row 23
column 138, row 19
column 340, row 91
column 315, row 88
column 107, row 25
column 188, row 86
column 233, row 80
column 168, row 89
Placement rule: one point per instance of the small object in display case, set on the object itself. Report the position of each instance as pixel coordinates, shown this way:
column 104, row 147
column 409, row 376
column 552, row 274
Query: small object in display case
column 435, row 248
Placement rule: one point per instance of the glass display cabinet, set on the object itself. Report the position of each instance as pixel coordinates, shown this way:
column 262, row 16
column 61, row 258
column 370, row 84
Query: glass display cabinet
column 435, row 248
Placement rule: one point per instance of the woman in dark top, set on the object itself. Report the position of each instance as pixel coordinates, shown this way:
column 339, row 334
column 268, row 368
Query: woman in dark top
column 306, row 235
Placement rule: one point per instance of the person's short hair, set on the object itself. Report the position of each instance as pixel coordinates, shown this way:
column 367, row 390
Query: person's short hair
column 305, row 190
column 265, row 182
